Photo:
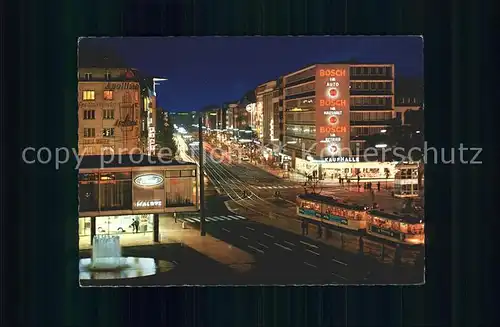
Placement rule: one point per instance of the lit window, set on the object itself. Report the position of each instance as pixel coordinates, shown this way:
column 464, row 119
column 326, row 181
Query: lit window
column 108, row 114
column 89, row 132
column 88, row 95
column 108, row 132
column 108, row 95
column 88, row 114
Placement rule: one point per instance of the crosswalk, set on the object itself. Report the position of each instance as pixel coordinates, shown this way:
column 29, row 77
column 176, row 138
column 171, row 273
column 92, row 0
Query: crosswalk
column 213, row 218
column 276, row 187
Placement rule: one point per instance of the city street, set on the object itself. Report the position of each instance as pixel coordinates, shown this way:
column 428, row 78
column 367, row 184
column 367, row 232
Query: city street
column 268, row 228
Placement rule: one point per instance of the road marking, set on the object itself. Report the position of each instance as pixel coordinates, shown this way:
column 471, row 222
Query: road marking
column 174, row 262
column 316, row 253
column 282, row 246
column 254, row 248
column 225, row 218
column 263, row 245
column 209, row 219
column 334, row 274
column 289, row 243
column 268, row 235
column 339, row 262
column 226, row 230
column 308, row 244
column 243, row 237
column 191, row 220
column 310, row 265
column 250, row 228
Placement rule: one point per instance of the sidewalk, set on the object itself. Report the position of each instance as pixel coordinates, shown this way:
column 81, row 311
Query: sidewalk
column 211, row 247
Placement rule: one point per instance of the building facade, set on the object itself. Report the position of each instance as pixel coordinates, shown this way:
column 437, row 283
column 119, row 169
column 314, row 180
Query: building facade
column 328, row 111
column 109, row 111
column 114, row 191
column 265, row 101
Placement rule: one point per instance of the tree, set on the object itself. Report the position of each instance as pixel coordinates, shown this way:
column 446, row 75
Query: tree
column 165, row 135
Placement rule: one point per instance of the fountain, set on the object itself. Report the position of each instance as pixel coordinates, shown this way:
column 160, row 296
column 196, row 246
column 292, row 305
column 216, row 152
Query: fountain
column 106, row 262
column 106, row 253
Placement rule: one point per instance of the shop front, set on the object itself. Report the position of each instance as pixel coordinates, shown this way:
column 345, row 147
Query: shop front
column 346, row 168
column 128, row 201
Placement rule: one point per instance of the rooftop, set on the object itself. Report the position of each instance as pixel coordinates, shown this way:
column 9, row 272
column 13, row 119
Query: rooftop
column 129, row 160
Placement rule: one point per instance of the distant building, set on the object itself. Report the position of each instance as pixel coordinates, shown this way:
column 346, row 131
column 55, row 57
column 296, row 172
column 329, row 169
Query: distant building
column 265, row 111
column 409, row 93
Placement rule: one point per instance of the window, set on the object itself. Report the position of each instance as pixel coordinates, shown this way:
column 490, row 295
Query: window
column 108, row 114
column 115, row 191
column 88, row 95
column 188, row 173
column 88, row 114
column 88, row 191
column 108, row 132
column 89, row 132
column 107, row 76
column 136, row 96
column 172, row 173
column 108, row 95
column 88, row 76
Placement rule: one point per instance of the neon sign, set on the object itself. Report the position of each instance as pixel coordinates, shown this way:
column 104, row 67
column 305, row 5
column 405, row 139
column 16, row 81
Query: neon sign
column 154, row 203
column 148, row 180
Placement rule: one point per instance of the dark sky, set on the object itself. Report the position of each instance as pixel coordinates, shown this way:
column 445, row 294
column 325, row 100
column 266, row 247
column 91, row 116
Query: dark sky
column 212, row 70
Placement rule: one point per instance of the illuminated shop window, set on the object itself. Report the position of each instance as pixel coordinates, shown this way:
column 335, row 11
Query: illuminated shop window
column 108, row 95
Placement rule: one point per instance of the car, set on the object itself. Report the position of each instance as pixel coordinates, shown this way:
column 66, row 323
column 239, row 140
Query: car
column 245, row 158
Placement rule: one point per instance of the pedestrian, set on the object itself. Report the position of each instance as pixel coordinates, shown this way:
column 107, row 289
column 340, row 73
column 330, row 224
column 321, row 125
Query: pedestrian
column 307, row 227
column 359, row 186
column 365, row 185
column 320, row 231
column 340, row 180
column 175, row 217
column 358, row 178
column 303, row 225
column 136, row 226
column 378, row 186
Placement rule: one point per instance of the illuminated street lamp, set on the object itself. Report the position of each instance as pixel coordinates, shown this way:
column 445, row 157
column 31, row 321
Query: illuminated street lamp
column 383, row 131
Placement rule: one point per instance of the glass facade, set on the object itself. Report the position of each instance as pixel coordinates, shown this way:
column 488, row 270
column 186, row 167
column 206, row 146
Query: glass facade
column 181, row 191
column 115, row 191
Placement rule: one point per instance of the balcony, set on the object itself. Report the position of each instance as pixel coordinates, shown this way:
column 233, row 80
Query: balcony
column 372, row 107
column 370, row 92
column 367, row 77
column 371, row 122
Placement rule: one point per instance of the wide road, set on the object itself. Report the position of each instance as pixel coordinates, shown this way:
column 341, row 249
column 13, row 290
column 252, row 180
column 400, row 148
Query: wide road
column 282, row 256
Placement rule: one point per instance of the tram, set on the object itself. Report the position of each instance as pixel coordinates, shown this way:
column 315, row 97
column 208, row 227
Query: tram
column 331, row 211
column 395, row 227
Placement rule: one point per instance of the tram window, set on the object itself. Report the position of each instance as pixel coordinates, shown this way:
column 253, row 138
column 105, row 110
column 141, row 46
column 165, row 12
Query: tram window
column 404, row 227
column 395, row 225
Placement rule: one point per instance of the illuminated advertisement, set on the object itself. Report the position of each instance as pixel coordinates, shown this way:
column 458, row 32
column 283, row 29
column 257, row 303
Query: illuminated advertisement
column 332, row 110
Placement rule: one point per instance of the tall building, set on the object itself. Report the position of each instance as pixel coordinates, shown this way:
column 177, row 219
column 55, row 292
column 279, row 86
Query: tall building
column 265, row 111
column 330, row 109
column 109, row 111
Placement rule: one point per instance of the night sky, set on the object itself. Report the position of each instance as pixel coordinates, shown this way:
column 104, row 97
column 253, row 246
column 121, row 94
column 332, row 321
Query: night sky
column 211, row 70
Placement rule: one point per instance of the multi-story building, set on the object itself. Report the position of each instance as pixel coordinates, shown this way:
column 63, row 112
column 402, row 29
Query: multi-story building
column 409, row 97
column 109, row 111
column 264, row 95
column 330, row 108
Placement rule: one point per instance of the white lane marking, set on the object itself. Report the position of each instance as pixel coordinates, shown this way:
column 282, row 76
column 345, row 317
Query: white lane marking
column 339, row 262
column 263, row 245
column 316, row 253
column 254, row 248
column 289, row 243
column 310, row 265
column 250, row 228
column 334, row 274
column 234, row 217
column 217, row 218
column 282, row 246
column 243, row 237
column 175, row 262
column 226, row 230
column 226, row 218
column 308, row 244
column 191, row 220
column 209, row 219
column 241, row 217
column 268, row 235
